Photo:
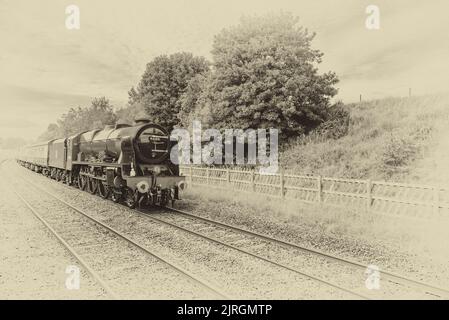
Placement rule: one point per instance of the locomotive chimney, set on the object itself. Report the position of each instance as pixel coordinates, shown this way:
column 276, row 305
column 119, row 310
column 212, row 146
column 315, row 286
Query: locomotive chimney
column 141, row 121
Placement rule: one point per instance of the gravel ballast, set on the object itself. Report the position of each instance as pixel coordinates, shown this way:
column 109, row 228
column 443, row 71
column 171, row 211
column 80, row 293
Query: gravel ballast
column 239, row 275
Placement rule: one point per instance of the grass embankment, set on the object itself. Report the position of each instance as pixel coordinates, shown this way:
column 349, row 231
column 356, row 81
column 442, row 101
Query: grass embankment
column 384, row 140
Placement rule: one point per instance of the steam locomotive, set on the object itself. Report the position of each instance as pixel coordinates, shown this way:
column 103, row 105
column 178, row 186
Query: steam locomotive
column 126, row 163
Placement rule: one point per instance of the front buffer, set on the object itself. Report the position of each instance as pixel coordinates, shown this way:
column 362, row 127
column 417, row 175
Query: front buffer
column 153, row 190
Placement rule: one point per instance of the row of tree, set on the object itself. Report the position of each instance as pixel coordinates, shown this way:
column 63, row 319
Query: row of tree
column 263, row 74
column 97, row 115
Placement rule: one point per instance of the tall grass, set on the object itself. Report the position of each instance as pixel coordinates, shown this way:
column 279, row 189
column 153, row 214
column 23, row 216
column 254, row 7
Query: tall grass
column 383, row 140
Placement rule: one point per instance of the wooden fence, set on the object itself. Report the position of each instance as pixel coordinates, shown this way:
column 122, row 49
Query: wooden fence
column 377, row 196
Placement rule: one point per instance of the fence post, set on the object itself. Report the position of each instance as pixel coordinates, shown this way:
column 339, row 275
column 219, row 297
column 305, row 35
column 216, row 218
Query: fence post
column 282, row 184
column 207, row 175
column 436, row 200
column 253, row 181
column 369, row 196
column 320, row 188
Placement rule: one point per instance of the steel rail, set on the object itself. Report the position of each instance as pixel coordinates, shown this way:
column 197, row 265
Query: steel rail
column 143, row 214
column 179, row 269
column 394, row 277
column 69, row 248
column 391, row 276
column 280, row 265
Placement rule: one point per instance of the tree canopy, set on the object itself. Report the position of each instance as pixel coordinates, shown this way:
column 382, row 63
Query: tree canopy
column 265, row 75
column 97, row 115
column 163, row 82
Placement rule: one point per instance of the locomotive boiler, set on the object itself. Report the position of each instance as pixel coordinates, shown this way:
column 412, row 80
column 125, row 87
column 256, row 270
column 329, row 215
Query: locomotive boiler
column 129, row 163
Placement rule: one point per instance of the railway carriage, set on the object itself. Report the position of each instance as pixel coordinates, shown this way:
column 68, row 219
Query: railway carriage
column 35, row 157
column 129, row 163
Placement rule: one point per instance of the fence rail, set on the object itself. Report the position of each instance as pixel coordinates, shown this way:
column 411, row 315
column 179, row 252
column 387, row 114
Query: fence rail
column 379, row 196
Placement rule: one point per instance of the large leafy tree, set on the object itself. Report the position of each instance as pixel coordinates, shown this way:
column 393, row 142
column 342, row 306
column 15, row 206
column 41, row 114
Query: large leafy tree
column 194, row 102
column 96, row 116
column 53, row 131
column 265, row 75
column 101, row 113
column 163, row 82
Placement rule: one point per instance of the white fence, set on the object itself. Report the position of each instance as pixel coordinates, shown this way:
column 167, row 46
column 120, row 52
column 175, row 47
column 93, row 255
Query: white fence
column 380, row 196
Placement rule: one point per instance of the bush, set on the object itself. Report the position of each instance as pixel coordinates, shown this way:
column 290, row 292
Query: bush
column 397, row 155
column 337, row 124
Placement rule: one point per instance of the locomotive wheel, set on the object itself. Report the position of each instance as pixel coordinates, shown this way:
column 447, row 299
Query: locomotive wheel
column 82, row 182
column 87, row 188
column 130, row 198
column 68, row 179
column 75, row 180
column 103, row 190
column 116, row 195
column 92, row 185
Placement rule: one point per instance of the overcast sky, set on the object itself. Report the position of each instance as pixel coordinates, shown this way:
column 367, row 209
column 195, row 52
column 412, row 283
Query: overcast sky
column 45, row 69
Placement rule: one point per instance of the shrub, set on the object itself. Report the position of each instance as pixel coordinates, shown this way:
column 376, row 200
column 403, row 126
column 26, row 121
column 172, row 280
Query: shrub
column 397, row 155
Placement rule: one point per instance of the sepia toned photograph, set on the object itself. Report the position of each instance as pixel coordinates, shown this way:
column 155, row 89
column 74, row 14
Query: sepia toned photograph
column 198, row 151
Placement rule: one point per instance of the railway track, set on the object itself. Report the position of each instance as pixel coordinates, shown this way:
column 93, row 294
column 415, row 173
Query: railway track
column 80, row 235
column 70, row 249
column 244, row 246
column 258, row 257
column 430, row 289
column 203, row 227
